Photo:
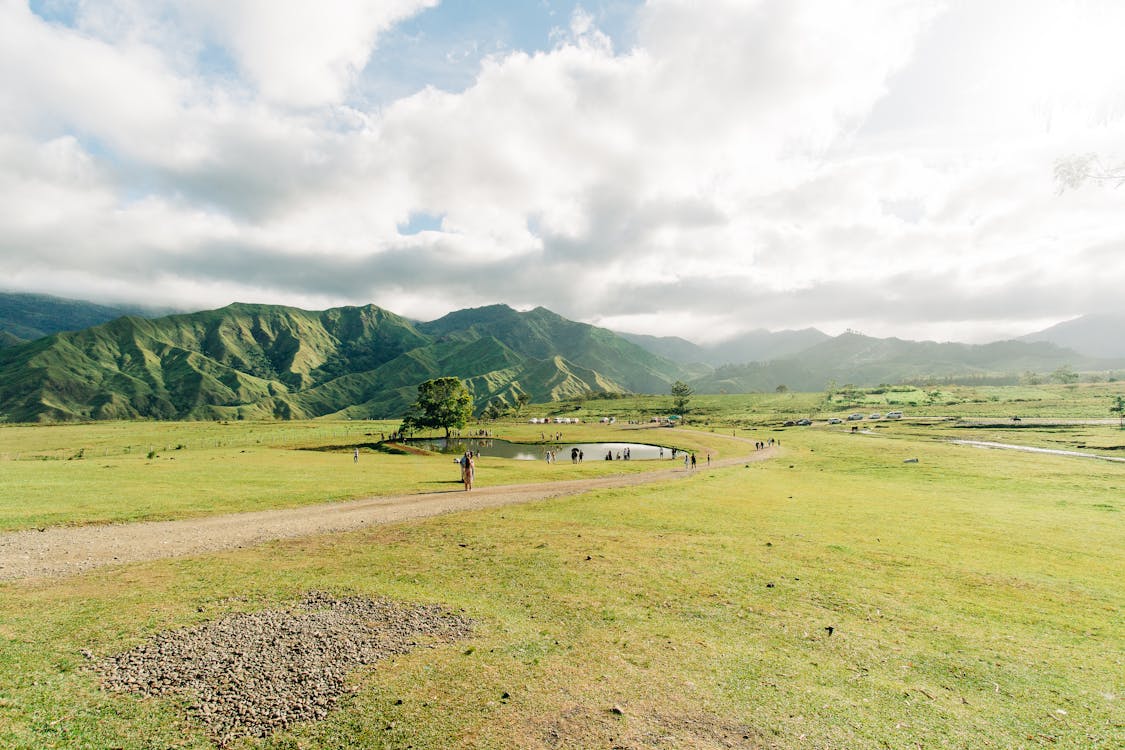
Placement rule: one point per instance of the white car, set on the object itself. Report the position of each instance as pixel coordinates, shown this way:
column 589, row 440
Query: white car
column 855, row 417
column 876, row 415
column 834, row 420
column 894, row 415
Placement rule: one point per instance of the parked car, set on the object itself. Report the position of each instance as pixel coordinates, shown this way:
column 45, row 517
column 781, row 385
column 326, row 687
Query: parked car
column 804, row 422
column 855, row 417
column 876, row 415
column 834, row 420
column 894, row 415
column 789, row 423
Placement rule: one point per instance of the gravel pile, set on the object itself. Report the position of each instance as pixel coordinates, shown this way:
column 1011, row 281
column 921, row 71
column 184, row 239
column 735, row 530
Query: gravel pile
column 251, row 674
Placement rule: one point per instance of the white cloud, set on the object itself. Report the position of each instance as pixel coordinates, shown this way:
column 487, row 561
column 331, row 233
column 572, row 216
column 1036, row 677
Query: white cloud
column 767, row 163
column 299, row 53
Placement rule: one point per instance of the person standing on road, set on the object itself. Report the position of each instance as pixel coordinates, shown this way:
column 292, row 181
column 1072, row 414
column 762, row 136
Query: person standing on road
column 468, row 466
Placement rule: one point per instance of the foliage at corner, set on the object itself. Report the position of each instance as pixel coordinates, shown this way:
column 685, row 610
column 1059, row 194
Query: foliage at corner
column 442, row 403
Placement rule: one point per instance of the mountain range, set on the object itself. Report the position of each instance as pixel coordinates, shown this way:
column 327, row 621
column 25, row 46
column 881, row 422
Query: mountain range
column 267, row 361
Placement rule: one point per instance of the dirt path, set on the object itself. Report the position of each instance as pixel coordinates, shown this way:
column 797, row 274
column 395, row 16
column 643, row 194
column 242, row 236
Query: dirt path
column 62, row 551
column 1032, row 449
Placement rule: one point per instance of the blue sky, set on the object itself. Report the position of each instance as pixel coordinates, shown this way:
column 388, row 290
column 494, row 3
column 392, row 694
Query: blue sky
column 665, row 167
column 442, row 46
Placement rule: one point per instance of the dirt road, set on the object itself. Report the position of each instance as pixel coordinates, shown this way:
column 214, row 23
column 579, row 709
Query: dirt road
column 63, row 551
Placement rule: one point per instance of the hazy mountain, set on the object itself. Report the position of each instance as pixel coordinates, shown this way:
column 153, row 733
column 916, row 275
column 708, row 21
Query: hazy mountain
column 25, row 317
column 1092, row 335
column 758, row 345
column 863, row 360
column 263, row 361
column 669, row 347
column 761, row 345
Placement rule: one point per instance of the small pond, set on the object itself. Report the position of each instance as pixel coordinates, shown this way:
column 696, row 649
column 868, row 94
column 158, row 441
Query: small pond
column 524, row 451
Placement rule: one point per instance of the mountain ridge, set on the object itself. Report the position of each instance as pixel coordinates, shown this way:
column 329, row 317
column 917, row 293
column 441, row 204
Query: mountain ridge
column 259, row 361
column 269, row 361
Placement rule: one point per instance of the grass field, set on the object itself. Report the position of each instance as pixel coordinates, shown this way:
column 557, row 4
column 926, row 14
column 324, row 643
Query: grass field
column 975, row 600
column 120, row 472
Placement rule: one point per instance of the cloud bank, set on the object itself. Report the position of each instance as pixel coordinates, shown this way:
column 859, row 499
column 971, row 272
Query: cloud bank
column 882, row 166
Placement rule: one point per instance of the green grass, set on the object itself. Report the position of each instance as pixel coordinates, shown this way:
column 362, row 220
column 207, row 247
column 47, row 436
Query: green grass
column 975, row 597
column 132, row 471
column 1085, row 401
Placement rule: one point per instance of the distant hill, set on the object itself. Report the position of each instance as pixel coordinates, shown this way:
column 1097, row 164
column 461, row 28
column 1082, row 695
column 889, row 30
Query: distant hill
column 758, row 345
column 266, row 361
column 669, row 347
column 25, row 317
column 863, row 360
column 761, row 345
column 1101, row 336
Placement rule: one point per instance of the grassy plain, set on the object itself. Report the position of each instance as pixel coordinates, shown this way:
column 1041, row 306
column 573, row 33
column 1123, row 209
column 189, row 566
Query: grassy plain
column 134, row 471
column 1078, row 401
column 975, row 600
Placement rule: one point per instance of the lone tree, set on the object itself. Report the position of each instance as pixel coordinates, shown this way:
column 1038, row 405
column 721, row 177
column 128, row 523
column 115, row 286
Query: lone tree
column 442, row 402
column 1118, row 408
column 681, row 394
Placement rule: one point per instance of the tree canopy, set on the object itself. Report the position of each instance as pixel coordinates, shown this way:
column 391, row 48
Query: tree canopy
column 681, row 394
column 442, row 403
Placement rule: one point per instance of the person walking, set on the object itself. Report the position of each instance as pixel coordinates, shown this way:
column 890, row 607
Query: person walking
column 355, row 456
column 693, row 462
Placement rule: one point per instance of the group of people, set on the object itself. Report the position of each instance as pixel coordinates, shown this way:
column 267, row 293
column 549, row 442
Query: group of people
column 624, row 455
column 761, row 445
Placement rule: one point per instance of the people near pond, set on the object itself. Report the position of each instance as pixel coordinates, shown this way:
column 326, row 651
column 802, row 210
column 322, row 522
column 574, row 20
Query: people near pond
column 687, row 460
column 581, row 455
column 574, row 455
column 468, row 468
column 609, row 455
column 693, row 462
column 662, row 451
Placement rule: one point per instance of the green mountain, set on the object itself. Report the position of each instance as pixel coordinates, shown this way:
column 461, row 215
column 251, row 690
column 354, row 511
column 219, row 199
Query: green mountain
column 265, row 361
column 25, row 317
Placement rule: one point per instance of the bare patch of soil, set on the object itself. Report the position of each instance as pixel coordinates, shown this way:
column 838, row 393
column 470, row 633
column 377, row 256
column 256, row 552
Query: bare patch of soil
column 252, row 674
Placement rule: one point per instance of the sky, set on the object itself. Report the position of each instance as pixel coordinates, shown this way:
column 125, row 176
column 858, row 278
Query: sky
column 670, row 167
